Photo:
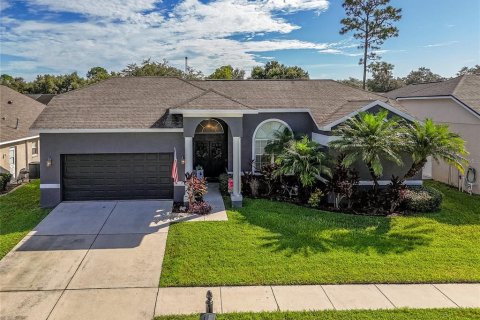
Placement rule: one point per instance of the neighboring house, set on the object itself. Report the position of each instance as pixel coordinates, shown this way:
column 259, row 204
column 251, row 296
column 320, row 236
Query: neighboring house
column 115, row 139
column 18, row 145
column 455, row 102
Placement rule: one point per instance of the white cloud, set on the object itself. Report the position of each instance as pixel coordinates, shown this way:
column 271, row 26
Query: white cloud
column 440, row 44
column 118, row 32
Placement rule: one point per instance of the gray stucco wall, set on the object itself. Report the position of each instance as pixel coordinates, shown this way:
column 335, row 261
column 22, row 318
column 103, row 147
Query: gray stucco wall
column 54, row 145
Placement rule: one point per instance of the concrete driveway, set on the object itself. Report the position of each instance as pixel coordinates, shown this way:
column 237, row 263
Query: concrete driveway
column 88, row 260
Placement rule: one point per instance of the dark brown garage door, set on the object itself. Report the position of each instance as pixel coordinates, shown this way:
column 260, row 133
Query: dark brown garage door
column 119, row 176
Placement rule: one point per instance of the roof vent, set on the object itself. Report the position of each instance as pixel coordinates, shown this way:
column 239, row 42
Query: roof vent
column 10, row 102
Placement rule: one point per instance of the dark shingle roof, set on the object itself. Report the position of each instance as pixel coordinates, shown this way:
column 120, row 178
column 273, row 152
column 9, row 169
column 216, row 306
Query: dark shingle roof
column 142, row 102
column 465, row 88
column 17, row 117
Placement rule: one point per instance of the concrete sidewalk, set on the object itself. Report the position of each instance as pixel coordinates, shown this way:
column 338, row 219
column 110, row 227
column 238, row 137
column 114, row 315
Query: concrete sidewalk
column 318, row 297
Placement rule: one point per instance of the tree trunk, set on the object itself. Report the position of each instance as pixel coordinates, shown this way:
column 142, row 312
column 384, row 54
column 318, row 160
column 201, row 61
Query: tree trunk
column 416, row 166
column 365, row 51
column 374, row 177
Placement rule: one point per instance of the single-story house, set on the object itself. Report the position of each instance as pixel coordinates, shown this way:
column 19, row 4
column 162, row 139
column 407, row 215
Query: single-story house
column 116, row 139
column 455, row 102
column 18, row 145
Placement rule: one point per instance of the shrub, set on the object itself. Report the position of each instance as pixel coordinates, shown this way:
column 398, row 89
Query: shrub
column 196, row 187
column 343, row 183
column 423, row 199
column 315, row 198
column 199, row 207
column 223, row 183
column 4, row 179
column 395, row 194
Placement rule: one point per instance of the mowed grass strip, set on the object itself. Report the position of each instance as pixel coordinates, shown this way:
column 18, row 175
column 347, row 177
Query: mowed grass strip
column 20, row 212
column 398, row 314
column 268, row 242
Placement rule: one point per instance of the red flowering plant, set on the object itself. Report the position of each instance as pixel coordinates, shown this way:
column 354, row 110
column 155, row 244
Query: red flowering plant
column 196, row 189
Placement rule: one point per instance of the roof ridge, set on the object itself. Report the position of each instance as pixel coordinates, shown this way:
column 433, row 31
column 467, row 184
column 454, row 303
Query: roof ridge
column 192, row 98
column 230, row 98
column 206, row 91
column 362, row 90
column 462, row 78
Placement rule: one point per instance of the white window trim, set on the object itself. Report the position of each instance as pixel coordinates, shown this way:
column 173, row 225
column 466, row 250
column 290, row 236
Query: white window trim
column 258, row 127
column 36, row 148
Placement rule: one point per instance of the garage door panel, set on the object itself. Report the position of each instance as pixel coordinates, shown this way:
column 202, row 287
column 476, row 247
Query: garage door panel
column 117, row 176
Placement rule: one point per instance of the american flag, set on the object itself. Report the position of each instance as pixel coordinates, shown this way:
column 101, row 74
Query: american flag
column 174, row 166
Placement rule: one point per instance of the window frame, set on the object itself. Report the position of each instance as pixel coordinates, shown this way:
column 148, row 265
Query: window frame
column 34, row 147
column 254, row 140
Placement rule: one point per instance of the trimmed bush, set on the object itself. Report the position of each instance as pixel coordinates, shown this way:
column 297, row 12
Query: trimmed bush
column 223, row 183
column 4, row 179
column 423, row 199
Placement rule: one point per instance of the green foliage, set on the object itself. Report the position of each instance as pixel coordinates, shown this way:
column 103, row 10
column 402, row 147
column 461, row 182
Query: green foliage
column 276, row 70
column 303, row 159
column 279, row 142
column 315, row 198
column 466, row 70
column 4, row 179
column 97, row 74
column 371, row 22
column 382, row 77
column 152, row 68
column 352, row 82
column 223, row 183
column 422, row 75
column 370, row 138
column 227, row 73
column 436, row 140
column 17, row 83
column 423, row 199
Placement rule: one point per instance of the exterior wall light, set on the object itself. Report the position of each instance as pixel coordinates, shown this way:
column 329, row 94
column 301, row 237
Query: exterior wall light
column 49, row 162
column 183, row 160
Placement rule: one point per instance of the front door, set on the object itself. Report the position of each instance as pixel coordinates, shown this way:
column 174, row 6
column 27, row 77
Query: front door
column 12, row 162
column 210, row 152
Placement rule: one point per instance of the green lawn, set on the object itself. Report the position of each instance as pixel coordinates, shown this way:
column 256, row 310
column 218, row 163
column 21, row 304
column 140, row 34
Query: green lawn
column 19, row 213
column 399, row 314
column 270, row 242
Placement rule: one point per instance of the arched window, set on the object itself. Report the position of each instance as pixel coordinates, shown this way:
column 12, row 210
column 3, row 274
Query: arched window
column 265, row 133
column 209, row 126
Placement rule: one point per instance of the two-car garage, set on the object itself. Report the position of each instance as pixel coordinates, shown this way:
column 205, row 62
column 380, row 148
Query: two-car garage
column 116, row 176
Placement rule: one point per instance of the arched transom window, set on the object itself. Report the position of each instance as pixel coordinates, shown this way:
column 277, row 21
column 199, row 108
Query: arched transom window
column 264, row 134
column 210, row 126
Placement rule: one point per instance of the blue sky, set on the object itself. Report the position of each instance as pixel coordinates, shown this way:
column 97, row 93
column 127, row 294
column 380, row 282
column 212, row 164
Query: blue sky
column 51, row 36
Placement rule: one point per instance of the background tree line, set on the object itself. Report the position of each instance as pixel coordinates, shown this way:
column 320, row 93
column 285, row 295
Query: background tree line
column 56, row 84
column 382, row 79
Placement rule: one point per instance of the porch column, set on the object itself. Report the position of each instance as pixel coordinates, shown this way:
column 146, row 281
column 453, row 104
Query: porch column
column 188, row 154
column 237, row 181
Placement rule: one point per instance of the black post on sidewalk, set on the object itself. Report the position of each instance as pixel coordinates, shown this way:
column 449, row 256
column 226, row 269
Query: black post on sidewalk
column 208, row 315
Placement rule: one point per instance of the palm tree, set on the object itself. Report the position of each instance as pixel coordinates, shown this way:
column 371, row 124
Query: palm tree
column 435, row 140
column 280, row 140
column 370, row 138
column 304, row 159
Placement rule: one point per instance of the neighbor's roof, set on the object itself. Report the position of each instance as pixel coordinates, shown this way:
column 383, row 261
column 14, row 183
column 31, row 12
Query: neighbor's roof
column 142, row 102
column 465, row 88
column 17, row 116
